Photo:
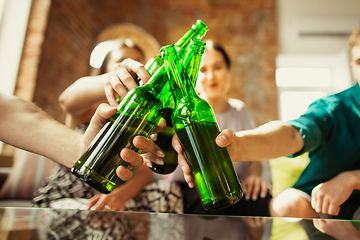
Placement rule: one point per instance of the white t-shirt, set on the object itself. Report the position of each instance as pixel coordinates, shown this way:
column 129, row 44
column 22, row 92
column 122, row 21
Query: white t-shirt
column 235, row 118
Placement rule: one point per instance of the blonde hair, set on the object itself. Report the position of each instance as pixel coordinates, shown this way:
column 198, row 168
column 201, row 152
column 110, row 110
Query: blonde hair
column 354, row 39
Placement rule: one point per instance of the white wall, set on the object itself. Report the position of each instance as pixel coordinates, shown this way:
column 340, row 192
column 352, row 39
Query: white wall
column 313, row 34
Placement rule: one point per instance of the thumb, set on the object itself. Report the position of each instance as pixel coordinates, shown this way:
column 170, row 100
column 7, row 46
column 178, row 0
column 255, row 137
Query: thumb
column 225, row 138
column 99, row 119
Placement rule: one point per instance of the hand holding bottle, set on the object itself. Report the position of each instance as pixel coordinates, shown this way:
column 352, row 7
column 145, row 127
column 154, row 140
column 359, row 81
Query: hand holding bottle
column 120, row 80
column 138, row 113
column 101, row 116
column 226, row 138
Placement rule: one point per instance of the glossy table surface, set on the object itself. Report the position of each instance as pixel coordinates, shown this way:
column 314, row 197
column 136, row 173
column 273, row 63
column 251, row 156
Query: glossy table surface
column 41, row 223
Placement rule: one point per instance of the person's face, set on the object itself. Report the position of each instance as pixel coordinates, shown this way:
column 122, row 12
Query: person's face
column 355, row 63
column 121, row 54
column 213, row 75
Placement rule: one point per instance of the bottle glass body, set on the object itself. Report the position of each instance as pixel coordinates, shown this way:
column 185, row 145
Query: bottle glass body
column 138, row 113
column 211, row 168
column 195, row 125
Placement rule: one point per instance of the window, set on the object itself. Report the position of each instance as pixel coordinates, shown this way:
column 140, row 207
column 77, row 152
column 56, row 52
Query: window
column 299, row 88
column 301, row 79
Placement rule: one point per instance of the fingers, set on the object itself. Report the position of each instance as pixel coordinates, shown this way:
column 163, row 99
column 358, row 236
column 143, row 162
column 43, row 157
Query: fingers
column 265, row 189
column 99, row 119
column 102, row 115
column 323, row 203
column 334, row 210
column 133, row 158
column 128, row 66
column 152, row 153
column 107, row 203
column 121, row 80
column 186, row 170
column 176, row 144
column 150, row 158
column 160, row 127
column 109, row 87
column 256, row 190
column 183, row 162
column 123, row 173
column 148, row 145
column 93, row 201
column 254, row 187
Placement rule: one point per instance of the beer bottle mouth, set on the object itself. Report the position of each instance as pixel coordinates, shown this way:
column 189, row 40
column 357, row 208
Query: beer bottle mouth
column 201, row 25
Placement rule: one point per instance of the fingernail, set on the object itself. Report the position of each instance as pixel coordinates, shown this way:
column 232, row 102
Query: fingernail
column 159, row 161
column 154, row 136
column 160, row 153
column 162, row 121
column 149, row 165
column 142, row 141
column 176, row 148
column 222, row 139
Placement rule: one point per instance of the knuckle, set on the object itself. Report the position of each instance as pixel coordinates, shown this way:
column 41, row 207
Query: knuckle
column 117, row 84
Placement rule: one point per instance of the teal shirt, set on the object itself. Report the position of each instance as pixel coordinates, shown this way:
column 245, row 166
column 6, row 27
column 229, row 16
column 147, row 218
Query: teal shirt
column 331, row 132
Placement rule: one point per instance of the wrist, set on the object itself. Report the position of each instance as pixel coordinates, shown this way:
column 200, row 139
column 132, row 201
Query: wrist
column 73, row 150
column 118, row 193
column 353, row 178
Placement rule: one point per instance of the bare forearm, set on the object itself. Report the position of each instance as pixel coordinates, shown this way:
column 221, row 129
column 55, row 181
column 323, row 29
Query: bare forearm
column 271, row 140
column 83, row 94
column 352, row 178
column 26, row 126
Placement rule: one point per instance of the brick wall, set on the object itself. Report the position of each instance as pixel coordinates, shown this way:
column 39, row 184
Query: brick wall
column 247, row 29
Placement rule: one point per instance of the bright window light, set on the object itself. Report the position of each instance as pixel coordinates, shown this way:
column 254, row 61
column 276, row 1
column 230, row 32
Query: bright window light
column 294, row 103
column 303, row 77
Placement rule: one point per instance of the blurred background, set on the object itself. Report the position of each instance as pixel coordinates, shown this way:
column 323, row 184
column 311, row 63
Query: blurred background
column 285, row 53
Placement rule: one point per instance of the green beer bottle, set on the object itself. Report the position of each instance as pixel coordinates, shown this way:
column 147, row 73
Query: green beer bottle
column 138, row 113
column 215, row 178
column 164, row 137
column 191, row 63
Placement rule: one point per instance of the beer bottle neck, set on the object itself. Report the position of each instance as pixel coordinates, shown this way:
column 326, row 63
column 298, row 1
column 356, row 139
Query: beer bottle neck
column 193, row 59
column 178, row 77
column 157, row 83
column 197, row 31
